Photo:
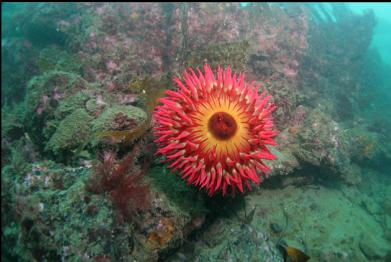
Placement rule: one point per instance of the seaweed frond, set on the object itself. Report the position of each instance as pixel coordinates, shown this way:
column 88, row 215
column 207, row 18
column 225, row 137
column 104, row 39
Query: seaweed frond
column 123, row 180
column 126, row 136
column 150, row 90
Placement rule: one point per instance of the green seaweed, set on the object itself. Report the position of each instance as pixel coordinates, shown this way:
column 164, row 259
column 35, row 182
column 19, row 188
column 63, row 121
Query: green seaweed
column 44, row 88
column 103, row 126
column 71, row 133
column 187, row 198
column 57, row 59
column 68, row 104
column 45, row 84
column 12, row 121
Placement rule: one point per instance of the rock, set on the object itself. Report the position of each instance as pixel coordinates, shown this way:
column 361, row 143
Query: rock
column 285, row 163
column 117, row 118
column 44, row 90
column 352, row 176
column 370, row 249
column 44, row 95
column 370, row 205
column 53, row 58
column 233, row 242
column 72, row 132
column 322, row 143
column 276, row 227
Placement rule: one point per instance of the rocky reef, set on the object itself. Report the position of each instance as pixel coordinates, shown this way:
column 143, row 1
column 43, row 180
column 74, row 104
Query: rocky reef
column 80, row 180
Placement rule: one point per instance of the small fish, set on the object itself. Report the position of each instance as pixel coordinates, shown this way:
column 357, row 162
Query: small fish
column 292, row 254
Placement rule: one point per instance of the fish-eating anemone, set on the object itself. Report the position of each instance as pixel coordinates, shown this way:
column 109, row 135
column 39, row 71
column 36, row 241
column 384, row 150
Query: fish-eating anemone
column 215, row 130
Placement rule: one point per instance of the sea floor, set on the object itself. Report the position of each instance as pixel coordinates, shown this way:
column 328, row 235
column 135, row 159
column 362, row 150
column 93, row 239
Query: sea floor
column 327, row 222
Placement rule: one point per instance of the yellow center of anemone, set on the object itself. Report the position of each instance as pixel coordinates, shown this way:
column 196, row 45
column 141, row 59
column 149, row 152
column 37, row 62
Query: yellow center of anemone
column 221, row 123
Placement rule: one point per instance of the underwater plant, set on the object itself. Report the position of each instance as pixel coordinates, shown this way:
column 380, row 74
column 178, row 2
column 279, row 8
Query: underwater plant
column 215, row 130
column 122, row 179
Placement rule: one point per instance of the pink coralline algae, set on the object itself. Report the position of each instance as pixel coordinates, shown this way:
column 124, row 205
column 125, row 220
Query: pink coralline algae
column 111, row 66
column 290, row 72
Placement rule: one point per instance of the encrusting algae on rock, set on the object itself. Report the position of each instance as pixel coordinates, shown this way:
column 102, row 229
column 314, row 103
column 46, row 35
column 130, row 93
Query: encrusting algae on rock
column 81, row 180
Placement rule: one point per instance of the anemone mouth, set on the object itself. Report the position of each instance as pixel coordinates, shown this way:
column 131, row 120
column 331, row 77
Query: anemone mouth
column 222, row 126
